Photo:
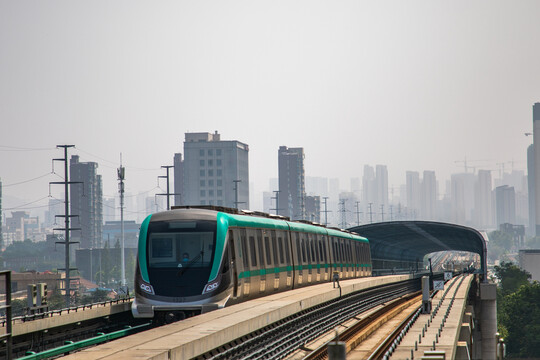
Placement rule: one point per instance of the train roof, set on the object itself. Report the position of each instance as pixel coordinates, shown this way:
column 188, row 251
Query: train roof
column 249, row 218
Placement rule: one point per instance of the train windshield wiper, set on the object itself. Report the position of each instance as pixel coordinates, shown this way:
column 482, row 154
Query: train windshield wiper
column 191, row 262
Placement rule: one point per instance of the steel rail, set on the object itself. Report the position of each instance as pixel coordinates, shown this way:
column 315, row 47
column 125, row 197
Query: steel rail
column 286, row 336
column 321, row 352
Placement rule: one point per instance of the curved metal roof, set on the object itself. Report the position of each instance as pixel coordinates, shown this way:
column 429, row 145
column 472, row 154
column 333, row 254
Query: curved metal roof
column 411, row 240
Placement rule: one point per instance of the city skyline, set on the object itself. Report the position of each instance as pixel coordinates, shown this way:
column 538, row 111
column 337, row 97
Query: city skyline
column 355, row 83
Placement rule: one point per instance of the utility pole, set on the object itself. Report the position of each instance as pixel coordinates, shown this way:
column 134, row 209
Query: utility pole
column 342, row 213
column 382, row 212
column 370, row 214
column 325, row 210
column 358, row 212
column 66, row 217
column 168, row 194
column 391, row 213
column 121, row 175
column 277, row 201
column 236, row 202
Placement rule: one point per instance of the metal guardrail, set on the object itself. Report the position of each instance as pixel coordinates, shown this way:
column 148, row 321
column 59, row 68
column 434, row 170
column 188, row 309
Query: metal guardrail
column 51, row 313
column 72, row 346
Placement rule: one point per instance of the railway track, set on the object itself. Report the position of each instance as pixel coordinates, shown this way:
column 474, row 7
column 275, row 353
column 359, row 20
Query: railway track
column 280, row 339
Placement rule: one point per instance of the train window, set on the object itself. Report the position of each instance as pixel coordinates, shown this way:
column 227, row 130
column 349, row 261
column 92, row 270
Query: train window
column 260, row 246
column 252, row 251
column 280, row 246
column 314, row 250
column 304, row 257
column 267, row 250
column 287, row 250
column 299, row 249
column 321, row 253
column 243, row 239
column 274, row 248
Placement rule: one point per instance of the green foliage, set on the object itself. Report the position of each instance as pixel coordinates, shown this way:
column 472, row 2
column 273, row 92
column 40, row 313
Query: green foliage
column 519, row 316
column 93, row 297
column 18, row 307
column 511, row 277
column 499, row 244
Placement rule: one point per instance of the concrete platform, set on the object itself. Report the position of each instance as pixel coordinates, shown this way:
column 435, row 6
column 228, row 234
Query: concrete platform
column 194, row 336
column 65, row 318
column 449, row 339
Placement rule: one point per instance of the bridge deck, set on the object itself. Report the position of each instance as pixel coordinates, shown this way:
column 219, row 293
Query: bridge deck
column 449, row 336
column 199, row 334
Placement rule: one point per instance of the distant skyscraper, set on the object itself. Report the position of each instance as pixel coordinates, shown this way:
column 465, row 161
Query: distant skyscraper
column 506, row 205
column 429, row 196
column 369, row 187
column 536, row 143
column 381, row 186
column 531, row 184
column 211, row 170
column 462, row 197
column 292, row 190
column 482, row 200
column 86, row 202
column 413, row 193
column 313, row 208
column 56, row 207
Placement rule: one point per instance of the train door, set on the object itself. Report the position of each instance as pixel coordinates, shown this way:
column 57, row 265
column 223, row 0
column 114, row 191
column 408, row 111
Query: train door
column 283, row 268
column 252, row 264
column 288, row 258
column 324, row 257
column 307, row 262
column 277, row 272
column 262, row 268
column 301, row 256
column 269, row 264
column 232, row 257
column 315, row 251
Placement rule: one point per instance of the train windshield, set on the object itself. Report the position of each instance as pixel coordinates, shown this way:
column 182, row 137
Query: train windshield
column 180, row 256
column 181, row 244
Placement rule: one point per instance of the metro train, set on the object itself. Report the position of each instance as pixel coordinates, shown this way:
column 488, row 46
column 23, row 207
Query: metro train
column 195, row 259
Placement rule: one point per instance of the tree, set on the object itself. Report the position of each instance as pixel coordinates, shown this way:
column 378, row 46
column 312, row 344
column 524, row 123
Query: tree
column 520, row 317
column 511, row 277
column 499, row 244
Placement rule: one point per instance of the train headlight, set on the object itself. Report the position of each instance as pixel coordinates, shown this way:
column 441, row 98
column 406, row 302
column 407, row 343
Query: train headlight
column 211, row 286
column 147, row 288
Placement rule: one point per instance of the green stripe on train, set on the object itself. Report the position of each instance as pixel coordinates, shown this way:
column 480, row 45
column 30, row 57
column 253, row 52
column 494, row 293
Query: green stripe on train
column 276, row 270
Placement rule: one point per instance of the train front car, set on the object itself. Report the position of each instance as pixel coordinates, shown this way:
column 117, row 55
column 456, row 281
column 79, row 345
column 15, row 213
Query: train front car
column 179, row 265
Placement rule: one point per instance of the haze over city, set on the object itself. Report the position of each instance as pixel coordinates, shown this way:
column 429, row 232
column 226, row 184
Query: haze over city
column 411, row 85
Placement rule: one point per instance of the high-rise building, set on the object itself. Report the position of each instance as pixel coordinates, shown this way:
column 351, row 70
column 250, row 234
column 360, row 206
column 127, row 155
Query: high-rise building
column 536, row 157
column 428, row 204
column 313, row 208
column 369, row 187
column 292, row 188
column 531, row 184
column 505, row 199
column 86, row 202
column 462, row 197
column 413, row 193
column 381, row 186
column 213, row 172
column 482, row 200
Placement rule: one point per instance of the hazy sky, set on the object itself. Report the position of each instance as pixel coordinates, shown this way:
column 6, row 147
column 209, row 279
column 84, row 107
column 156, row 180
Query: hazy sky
column 415, row 85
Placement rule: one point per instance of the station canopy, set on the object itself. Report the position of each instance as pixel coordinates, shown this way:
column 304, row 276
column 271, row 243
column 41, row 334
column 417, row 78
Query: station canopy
column 409, row 241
